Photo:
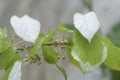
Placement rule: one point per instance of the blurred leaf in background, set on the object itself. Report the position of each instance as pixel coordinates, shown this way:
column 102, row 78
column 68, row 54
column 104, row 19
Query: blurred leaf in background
column 88, row 4
column 114, row 36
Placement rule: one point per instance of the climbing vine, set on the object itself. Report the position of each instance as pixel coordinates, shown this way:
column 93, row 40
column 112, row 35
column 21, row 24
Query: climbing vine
column 86, row 48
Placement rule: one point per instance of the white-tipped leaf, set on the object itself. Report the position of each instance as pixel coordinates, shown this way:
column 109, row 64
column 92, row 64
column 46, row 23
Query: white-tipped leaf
column 87, row 24
column 88, row 56
column 26, row 27
column 15, row 73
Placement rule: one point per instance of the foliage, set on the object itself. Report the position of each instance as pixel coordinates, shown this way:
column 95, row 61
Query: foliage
column 85, row 55
column 114, row 36
column 89, row 56
column 8, row 54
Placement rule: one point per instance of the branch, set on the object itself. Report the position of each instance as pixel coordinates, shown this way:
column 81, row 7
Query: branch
column 47, row 44
column 57, row 44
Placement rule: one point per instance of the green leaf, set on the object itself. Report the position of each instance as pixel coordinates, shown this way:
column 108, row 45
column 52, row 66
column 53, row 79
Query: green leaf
column 88, row 4
column 69, row 26
column 72, row 60
column 62, row 71
column 115, row 75
column 50, row 55
column 6, row 74
column 8, row 57
column 37, row 46
column 3, row 33
column 8, row 54
column 50, row 36
column 114, row 34
column 63, row 29
column 40, row 40
column 3, row 45
column 69, row 36
column 89, row 55
column 113, row 59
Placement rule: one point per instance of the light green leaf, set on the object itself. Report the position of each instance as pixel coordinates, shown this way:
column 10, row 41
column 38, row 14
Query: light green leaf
column 3, row 45
column 37, row 46
column 8, row 57
column 6, row 74
column 69, row 26
column 63, row 29
column 50, row 36
column 8, row 54
column 89, row 55
column 3, row 33
column 40, row 41
column 50, row 55
column 72, row 60
column 62, row 71
column 113, row 59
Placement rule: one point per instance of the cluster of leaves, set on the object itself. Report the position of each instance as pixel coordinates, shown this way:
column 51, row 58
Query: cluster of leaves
column 87, row 57
column 8, row 54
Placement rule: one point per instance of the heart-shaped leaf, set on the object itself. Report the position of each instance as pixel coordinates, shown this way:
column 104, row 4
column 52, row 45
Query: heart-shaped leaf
column 26, row 27
column 87, row 24
column 89, row 56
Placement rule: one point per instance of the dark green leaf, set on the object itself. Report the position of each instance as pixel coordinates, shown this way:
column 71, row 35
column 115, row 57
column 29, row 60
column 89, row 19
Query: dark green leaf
column 88, row 4
column 114, row 34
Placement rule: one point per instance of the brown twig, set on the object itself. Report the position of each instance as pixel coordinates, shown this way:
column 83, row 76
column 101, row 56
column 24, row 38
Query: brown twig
column 47, row 44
